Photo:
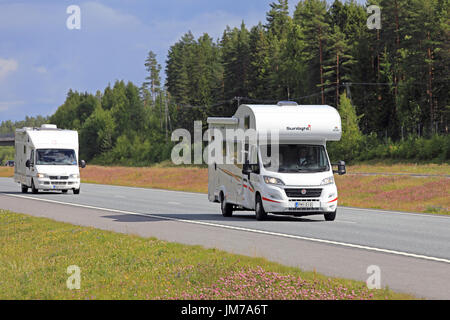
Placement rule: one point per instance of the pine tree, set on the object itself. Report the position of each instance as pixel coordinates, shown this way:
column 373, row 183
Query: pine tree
column 311, row 16
column 339, row 62
column 152, row 81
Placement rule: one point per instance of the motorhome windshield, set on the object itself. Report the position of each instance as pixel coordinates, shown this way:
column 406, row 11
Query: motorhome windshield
column 62, row 157
column 295, row 158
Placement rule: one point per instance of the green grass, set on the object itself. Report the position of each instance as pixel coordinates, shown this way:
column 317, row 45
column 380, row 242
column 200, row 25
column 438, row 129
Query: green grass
column 36, row 252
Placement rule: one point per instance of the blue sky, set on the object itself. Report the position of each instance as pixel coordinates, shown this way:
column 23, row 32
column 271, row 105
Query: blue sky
column 40, row 59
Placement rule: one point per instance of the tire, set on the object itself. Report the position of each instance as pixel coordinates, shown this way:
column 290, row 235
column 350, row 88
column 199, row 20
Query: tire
column 261, row 214
column 330, row 216
column 24, row 188
column 227, row 209
column 76, row 191
column 33, row 188
column 64, row 191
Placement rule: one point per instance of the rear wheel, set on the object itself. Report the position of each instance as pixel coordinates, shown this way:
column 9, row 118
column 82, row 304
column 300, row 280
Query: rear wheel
column 261, row 214
column 24, row 188
column 76, row 191
column 330, row 216
column 33, row 188
column 64, row 191
column 227, row 208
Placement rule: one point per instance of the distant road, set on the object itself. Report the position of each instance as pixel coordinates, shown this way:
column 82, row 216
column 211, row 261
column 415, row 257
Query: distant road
column 6, row 140
column 414, row 175
column 412, row 250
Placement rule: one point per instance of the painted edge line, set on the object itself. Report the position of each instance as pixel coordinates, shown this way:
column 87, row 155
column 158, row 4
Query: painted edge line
column 337, row 243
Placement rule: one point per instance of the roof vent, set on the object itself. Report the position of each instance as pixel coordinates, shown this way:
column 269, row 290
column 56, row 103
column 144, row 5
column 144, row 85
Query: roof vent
column 287, row 104
column 49, row 126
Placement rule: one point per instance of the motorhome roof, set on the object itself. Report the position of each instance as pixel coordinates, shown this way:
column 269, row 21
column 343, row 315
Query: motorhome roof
column 305, row 123
column 41, row 128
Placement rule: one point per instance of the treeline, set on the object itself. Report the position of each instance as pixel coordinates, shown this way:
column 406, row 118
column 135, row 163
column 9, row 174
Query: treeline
column 397, row 77
column 391, row 86
column 115, row 126
column 355, row 146
column 8, row 127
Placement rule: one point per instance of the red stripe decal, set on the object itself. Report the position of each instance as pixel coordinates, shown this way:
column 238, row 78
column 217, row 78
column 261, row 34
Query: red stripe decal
column 333, row 200
column 269, row 200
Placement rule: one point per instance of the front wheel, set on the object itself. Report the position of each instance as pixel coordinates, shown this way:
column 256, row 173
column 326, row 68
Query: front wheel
column 261, row 214
column 24, row 189
column 76, row 191
column 227, row 209
column 330, row 216
column 33, row 188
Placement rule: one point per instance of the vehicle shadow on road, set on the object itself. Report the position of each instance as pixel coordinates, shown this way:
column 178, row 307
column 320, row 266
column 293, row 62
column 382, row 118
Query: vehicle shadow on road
column 32, row 194
column 208, row 218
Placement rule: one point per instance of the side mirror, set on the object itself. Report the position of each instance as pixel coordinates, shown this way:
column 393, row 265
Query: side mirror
column 83, row 164
column 342, row 169
column 246, row 169
column 28, row 164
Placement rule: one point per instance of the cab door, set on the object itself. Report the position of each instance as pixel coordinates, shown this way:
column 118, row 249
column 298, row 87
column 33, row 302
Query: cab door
column 31, row 171
column 248, row 188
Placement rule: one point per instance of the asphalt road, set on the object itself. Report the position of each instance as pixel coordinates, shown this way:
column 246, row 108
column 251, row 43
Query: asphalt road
column 412, row 250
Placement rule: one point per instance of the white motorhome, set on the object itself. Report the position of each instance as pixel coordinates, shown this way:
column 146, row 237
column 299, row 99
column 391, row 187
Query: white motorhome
column 47, row 159
column 301, row 183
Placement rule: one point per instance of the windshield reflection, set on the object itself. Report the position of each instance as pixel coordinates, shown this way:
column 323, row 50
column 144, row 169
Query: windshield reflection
column 295, row 159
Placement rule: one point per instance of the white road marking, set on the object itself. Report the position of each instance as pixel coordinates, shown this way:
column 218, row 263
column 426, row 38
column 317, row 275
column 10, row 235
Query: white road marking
column 343, row 244
column 377, row 211
column 344, row 221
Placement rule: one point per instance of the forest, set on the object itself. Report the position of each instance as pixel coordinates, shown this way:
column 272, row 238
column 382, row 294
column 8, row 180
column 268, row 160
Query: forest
column 390, row 85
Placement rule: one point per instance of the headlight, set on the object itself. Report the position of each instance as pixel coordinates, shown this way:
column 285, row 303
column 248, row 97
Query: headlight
column 271, row 180
column 74, row 176
column 42, row 175
column 327, row 181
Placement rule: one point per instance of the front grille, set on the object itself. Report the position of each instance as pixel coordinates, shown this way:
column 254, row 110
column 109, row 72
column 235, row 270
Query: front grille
column 59, row 183
column 59, row 177
column 308, row 193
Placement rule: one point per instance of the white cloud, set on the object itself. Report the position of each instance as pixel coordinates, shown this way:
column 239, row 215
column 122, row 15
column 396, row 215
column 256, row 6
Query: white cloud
column 40, row 69
column 7, row 66
column 8, row 105
column 99, row 16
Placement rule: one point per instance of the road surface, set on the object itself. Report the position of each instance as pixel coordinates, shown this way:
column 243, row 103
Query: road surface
column 412, row 250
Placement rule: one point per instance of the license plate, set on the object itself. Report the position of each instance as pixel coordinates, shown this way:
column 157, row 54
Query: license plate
column 305, row 204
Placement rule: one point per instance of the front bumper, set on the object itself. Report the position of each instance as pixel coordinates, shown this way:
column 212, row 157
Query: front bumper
column 47, row 184
column 276, row 201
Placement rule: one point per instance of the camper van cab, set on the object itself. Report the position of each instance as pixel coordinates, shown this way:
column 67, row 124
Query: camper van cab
column 300, row 183
column 47, row 159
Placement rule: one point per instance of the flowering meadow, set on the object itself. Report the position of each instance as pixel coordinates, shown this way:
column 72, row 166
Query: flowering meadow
column 34, row 262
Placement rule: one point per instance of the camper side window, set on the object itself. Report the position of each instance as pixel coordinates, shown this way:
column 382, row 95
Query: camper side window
column 247, row 122
column 32, row 158
column 237, row 161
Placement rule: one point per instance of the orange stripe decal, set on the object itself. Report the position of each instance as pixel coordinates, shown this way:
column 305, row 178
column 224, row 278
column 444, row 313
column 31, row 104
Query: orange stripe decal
column 333, row 200
column 269, row 200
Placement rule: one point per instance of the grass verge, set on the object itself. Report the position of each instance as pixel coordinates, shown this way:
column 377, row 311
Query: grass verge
column 37, row 252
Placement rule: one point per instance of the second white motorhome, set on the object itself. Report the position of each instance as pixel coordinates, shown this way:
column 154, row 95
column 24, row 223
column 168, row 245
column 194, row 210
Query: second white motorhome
column 301, row 183
column 47, row 159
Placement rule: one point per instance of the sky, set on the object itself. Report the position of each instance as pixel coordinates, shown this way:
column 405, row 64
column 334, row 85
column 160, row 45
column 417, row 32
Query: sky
column 41, row 58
